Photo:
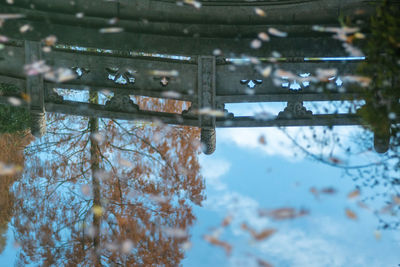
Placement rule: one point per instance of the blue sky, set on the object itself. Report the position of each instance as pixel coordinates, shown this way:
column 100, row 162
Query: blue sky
column 244, row 175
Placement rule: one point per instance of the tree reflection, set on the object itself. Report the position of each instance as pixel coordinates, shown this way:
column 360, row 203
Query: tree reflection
column 11, row 152
column 108, row 192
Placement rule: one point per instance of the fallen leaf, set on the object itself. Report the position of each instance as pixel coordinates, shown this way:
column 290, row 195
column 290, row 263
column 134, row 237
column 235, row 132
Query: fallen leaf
column 194, row 3
column 266, row 71
column 263, row 36
column 111, row 30
column 258, row 235
column 277, row 32
column 314, row 191
column 263, row 263
column 262, row 140
column 217, row 242
column 328, row 190
column 377, row 235
column 255, row 44
column 283, row 213
column 354, row 194
column 351, row 215
column 25, row 28
column 60, row 75
column 259, row 12
column 227, row 221
column 11, row 16
column 50, row 40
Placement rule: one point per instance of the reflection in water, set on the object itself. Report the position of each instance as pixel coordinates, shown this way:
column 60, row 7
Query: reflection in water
column 11, row 154
column 108, row 192
column 122, row 95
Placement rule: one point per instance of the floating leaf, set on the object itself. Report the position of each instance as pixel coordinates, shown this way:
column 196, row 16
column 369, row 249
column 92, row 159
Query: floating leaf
column 37, row 67
column 259, row 12
column 25, row 28
column 111, row 30
column 263, row 36
column 277, row 32
column 263, row 263
column 266, row 72
column 377, row 235
column 11, row 16
column 211, row 112
column 283, row 213
column 170, row 94
column 325, row 74
column 214, row 241
column 255, row 44
column 227, row 221
column 328, row 190
column 60, row 75
column 164, row 73
column 354, row 194
column 50, row 40
column 3, row 39
column 258, row 235
column 194, row 3
column 262, row 140
column 15, row 101
column 351, row 215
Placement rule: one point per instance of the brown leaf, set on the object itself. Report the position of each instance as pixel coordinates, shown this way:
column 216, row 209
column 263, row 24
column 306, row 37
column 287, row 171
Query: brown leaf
column 227, row 221
column 217, row 242
column 354, row 194
column 314, row 191
column 328, row 190
column 258, row 236
column 261, row 140
column 351, row 215
column 263, row 263
column 284, row 213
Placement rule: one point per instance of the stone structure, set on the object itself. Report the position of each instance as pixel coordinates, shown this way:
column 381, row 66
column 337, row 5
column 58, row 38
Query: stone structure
column 190, row 52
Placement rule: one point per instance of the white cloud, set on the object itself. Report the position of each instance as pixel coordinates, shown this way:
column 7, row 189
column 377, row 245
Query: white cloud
column 213, row 169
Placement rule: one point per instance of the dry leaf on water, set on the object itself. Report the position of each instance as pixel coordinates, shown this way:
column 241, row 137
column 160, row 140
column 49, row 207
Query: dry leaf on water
column 350, row 214
column 258, row 235
column 283, row 213
column 214, row 241
column 354, row 194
